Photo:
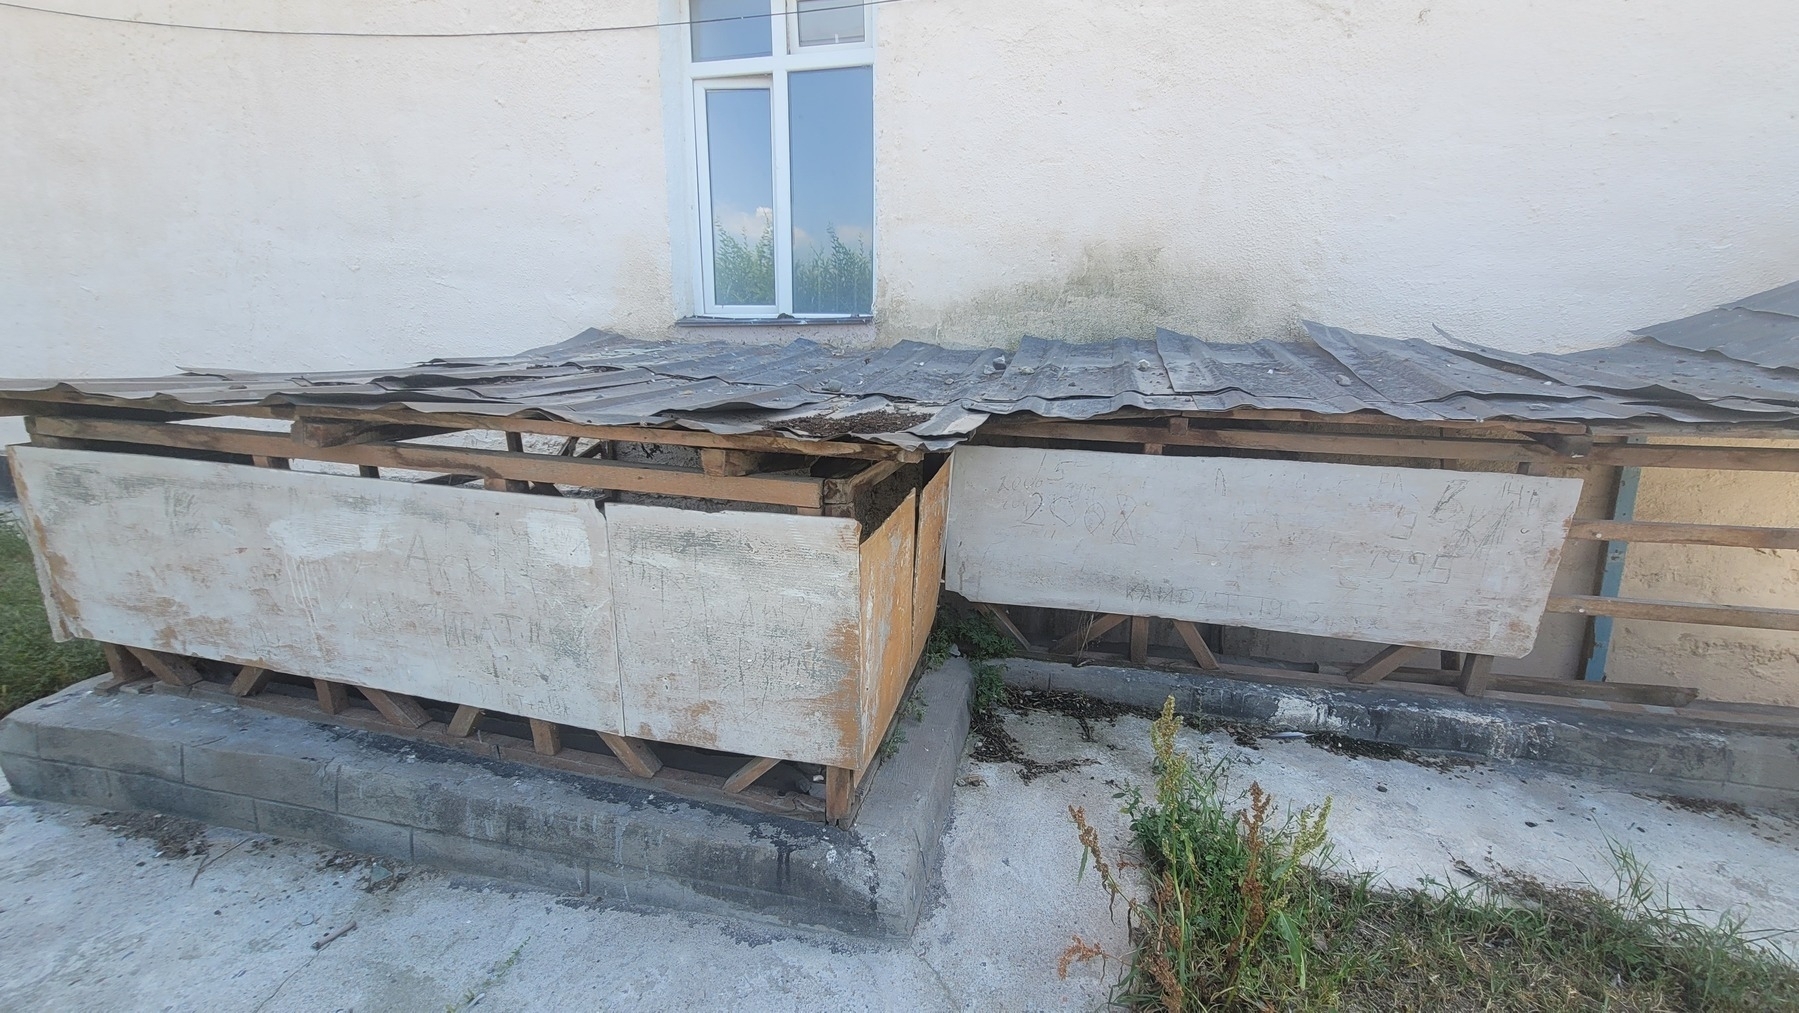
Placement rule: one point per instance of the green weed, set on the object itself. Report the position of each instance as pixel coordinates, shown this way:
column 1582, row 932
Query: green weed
column 1238, row 909
column 32, row 665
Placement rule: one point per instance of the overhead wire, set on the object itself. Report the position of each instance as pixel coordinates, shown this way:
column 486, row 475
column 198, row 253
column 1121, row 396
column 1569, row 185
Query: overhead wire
column 428, row 35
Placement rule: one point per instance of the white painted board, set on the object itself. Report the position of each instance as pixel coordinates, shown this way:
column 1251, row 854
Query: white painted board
column 1454, row 560
column 498, row 600
column 740, row 631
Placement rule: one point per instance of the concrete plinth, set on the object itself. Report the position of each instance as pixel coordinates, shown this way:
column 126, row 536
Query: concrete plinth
column 1666, row 750
column 389, row 796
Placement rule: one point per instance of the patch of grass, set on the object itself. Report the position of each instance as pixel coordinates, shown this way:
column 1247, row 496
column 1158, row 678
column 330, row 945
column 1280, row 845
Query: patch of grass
column 1238, row 909
column 32, row 665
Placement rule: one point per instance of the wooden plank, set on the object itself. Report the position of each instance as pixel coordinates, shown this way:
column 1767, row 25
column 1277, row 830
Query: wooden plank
column 1381, row 665
column 279, row 463
column 840, row 784
column 1477, row 674
column 884, row 594
column 1004, row 622
column 250, row 680
column 1196, row 644
column 636, row 754
column 1739, row 616
column 1451, row 560
column 546, row 737
column 498, row 601
column 123, row 664
column 169, row 668
column 1079, row 639
column 1684, row 534
column 323, row 433
column 845, row 490
column 1452, row 449
column 747, row 774
column 718, row 461
column 462, row 725
column 333, row 697
column 399, row 708
column 927, row 572
column 780, row 490
column 766, row 442
column 1139, row 643
column 740, row 631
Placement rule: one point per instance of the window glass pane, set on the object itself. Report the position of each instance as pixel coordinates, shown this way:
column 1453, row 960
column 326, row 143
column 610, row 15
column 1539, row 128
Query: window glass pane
column 832, row 136
column 729, row 29
column 827, row 22
column 740, row 169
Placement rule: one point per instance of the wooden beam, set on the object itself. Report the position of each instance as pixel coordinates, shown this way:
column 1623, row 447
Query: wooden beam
column 1001, row 619
column 1477, row 674
column 718, row 461
column 840, row 784
column 845, row 490
column 176, row 671
column 1514, row 451
column 462, row 725
column 766, row 442
column 1077, row 641
column 1684, row 534
column 546, row 737
column 333, row 698
column 782, row 490
column 1381, row 665
column 1196, row 644
column 636, row 754
column 747, row 774
column 250, row 680
column 398, row 708
column 323, row 433
column 124, row 665
column 1740, row 616
column 1139, row 650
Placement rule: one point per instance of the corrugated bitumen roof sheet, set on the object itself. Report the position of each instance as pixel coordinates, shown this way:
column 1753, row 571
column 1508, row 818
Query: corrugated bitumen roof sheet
column 921, row 395
column 1763, row 329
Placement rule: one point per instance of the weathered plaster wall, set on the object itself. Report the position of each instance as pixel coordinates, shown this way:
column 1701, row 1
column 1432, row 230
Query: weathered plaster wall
column 1759, row 666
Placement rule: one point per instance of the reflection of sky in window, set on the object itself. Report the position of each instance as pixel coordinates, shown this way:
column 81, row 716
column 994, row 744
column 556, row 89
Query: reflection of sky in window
column 728, row 29
column 741, row 157
column 832, row 148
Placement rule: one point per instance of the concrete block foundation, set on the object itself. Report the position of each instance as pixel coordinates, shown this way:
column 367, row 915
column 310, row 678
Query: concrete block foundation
column 575, row 835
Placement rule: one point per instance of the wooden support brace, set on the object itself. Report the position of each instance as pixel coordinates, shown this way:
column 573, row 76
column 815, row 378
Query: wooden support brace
column 1196, row 644
column 1382, row 665
column 124, row 665
column 714, row 461
column 333, row 697
column 1076, row 642
column 251, row 679
column 463, row 724
column 997, row 613
column 397, row 707
column 1139, row 639
column 840, row 785
column 546, row 737
column 747, row 774
column 637, row 755
column 505, row 485
column 1477, row 674
column 175, row 671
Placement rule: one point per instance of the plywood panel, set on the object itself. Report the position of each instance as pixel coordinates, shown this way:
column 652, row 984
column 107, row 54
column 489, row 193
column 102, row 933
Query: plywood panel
column 1452, row 560
column 933, row 506
column 740, row 631
column 887, row 656
column 500, row 601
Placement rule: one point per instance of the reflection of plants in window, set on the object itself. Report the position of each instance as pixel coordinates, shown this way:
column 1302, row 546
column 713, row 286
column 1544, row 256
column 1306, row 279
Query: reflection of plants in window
column 743, row 272
column 836, row 279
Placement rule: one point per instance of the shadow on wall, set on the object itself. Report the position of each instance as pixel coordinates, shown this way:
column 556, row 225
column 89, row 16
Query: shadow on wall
column 1111, row 292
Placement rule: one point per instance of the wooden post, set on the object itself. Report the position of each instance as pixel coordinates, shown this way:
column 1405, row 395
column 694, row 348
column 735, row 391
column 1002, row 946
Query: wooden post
column 546, row 737
column 333, row 698
column 251, row 679
column 840, row 783
column 1139, row 639
column 1477, row 674
column 463, row 724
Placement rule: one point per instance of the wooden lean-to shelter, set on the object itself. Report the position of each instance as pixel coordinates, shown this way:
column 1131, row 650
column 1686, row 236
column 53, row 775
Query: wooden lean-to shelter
column 715, row 566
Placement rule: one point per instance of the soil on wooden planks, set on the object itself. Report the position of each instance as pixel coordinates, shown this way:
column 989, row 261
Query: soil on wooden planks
column 886, row 420
column 173, row 836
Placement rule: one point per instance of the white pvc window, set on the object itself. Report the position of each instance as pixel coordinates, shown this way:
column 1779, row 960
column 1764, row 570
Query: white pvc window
column 782, row 114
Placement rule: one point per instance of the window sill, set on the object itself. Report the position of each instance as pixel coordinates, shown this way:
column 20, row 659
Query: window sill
column 778, row 321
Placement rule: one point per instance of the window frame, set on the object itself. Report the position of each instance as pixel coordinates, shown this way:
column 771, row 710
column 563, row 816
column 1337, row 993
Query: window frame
column 787, row 57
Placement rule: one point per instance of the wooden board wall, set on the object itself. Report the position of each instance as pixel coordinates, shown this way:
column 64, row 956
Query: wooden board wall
column 498, row 600
column 1452, row 560
column 740, row 631
column 927, row 581
column 887, row 587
